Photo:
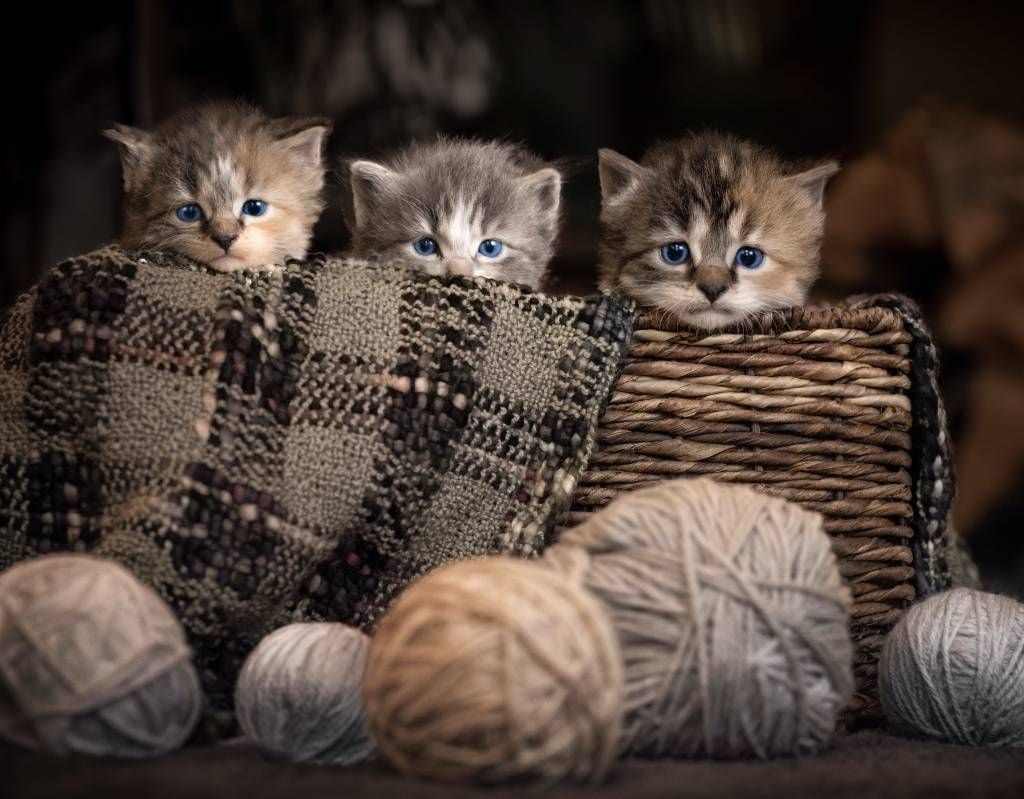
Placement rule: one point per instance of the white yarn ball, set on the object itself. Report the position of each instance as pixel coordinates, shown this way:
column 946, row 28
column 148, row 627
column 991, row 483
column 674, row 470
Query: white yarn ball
column 952, row 669
column 731, row 614
column 299, row 694
column 92, row 661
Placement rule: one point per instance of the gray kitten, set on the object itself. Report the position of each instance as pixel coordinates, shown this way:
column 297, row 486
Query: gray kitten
column 711, row 229
column 223, row 184
column 457, row 207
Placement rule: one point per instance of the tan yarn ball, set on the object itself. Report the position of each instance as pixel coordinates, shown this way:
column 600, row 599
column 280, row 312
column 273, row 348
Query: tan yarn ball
column 92, row 661
column 731, row 615
column 493, row 670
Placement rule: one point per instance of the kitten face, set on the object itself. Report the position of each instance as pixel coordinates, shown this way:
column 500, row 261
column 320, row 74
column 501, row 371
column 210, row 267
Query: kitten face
column 477, row 209
column 710, row 229
column 224, row 185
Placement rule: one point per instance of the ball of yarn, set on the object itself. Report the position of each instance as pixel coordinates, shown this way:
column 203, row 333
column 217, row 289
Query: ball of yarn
column 952, row 669
column 731, row 615
column 494, row 670
column 92, row 661
column 298, row 694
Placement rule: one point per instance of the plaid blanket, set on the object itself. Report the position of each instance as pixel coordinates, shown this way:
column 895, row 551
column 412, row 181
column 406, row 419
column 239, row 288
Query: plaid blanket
column 296, row 444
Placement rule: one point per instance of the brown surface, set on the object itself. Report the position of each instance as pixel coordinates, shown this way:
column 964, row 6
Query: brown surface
column 814, row 408
column 865, row 766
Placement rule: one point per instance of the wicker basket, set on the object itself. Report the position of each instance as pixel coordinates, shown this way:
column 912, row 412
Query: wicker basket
column 833, row 408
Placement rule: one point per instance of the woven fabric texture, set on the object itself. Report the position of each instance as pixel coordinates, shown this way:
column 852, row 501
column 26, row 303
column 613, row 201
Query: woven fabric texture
column 296, row 444
column 835, row 408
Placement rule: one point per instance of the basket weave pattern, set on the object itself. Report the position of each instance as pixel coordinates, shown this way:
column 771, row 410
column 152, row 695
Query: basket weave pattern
column 813, row 406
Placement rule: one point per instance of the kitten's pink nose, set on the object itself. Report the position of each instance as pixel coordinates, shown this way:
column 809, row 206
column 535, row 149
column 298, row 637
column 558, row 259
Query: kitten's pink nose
column 459, row 266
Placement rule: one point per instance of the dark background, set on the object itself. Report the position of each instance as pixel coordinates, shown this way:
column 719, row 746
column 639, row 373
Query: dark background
column 809, row 78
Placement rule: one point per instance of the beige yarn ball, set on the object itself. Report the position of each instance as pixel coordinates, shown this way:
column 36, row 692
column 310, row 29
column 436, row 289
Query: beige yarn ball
column 92, row 661
column 492, row 670
column 299, row 696
column 952, row 669
column 731, row 615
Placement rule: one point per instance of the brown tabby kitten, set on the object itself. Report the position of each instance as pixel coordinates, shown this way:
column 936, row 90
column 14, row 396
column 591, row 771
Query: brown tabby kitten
column 457, row 207
column 711, row 229
column 223, row 184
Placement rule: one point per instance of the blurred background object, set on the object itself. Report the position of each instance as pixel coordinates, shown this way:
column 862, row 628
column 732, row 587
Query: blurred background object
column 921, row 102
column 937, row 212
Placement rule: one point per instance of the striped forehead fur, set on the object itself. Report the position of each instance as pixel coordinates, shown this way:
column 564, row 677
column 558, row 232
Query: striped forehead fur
column 459, row 192
column 217, row 156
column 717, row 194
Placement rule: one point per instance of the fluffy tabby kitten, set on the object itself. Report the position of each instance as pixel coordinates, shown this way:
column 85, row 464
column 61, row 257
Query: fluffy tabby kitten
column 711, row 229
column 223, row 184
column 457, row 207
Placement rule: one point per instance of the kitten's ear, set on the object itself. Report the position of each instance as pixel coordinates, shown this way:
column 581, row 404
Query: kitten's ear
column 367, row 181
column 545, row 186
column 136, row 146
column 305, row 137
column 618, row 174
column 813, row 180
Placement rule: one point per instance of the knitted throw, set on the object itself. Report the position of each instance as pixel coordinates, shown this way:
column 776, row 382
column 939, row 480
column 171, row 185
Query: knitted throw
column 297, row 444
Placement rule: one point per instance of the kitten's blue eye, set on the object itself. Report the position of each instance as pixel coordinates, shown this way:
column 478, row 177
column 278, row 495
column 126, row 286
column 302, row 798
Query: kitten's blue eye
column 675, row 253
column 190, row 213
column 425, row 246
column 749, row 257
column 491, row 248
column 254, row 208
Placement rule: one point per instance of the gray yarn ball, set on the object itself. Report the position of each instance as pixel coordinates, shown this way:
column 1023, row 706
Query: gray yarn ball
column 92, row 661
column 731, row 614
column 953, row 669
column 299, row 694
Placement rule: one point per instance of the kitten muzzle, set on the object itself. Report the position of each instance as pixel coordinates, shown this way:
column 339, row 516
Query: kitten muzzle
column 713, row 281
column 712, row 290
column 459, row 266
column 225, row 232
column 225, row 240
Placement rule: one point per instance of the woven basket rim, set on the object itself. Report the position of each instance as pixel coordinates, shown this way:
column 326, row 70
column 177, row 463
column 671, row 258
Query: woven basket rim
column 865, row 316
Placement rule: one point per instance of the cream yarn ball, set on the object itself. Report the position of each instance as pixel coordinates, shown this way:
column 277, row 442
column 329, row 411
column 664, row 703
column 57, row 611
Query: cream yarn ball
column 492, row 670
column 92, row 661
column 952, row 669
column 731, row 614
column 299, row 694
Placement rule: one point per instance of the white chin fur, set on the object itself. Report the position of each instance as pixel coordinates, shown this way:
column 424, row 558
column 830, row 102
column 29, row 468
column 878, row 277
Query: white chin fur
column 230, row 263
column 709, row 318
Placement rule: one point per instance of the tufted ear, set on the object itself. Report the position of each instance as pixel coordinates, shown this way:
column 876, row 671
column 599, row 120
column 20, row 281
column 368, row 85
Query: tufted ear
column 305, row 136
column 368, row 181
column 619, row 175
column 814, row 180
column 136, row 147
column 545, row 186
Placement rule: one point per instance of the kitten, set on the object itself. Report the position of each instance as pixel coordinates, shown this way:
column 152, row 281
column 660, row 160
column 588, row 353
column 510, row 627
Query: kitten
column 223, row 184
column 457, row 207
column 710, row 229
